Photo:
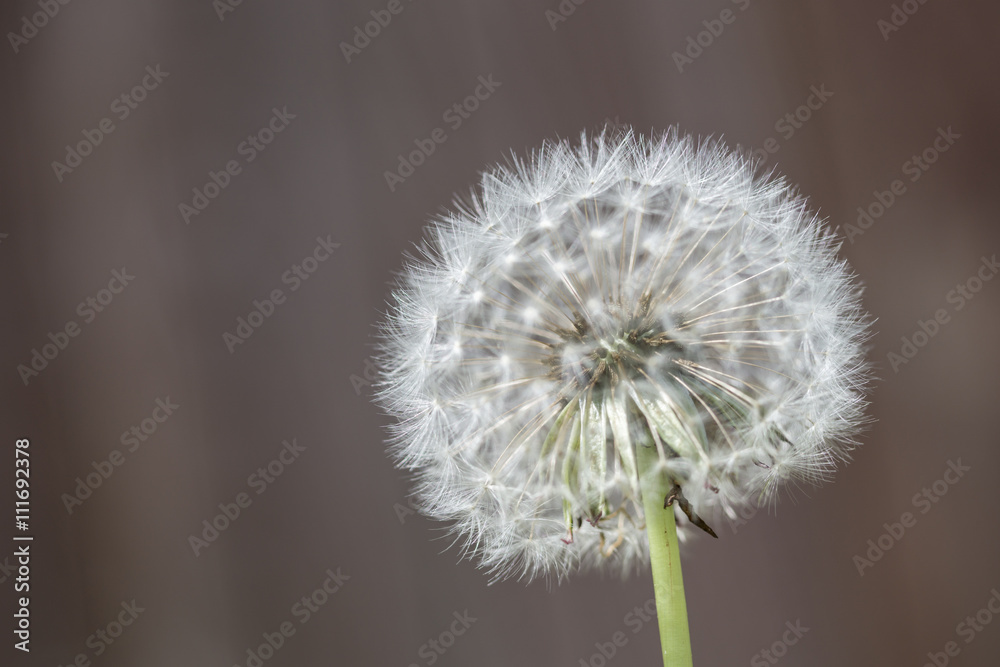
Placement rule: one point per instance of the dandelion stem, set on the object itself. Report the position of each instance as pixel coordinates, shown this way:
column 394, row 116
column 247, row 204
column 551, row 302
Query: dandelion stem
column 665, row 559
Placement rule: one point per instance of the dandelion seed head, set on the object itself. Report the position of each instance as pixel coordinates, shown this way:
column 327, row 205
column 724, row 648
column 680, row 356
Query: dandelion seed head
column 617, row 293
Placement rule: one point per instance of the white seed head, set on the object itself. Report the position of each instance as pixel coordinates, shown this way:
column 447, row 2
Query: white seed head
column 624, row 292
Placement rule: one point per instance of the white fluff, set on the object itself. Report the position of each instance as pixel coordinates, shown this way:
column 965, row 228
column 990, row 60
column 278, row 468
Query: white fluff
column 619, row 293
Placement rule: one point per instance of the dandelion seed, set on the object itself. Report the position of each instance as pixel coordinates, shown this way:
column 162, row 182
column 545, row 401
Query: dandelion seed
column 610, row 312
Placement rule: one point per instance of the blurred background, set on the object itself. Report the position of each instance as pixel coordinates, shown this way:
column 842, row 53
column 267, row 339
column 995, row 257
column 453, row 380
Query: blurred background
column 207, row 490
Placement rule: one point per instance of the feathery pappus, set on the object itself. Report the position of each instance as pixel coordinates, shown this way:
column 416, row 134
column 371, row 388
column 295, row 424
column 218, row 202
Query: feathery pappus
column 598, row 297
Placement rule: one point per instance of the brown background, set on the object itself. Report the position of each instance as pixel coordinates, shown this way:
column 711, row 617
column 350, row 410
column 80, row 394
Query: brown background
column 337, row 505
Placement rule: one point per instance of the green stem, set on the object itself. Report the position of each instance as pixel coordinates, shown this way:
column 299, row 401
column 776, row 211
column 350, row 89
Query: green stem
column 665, row 559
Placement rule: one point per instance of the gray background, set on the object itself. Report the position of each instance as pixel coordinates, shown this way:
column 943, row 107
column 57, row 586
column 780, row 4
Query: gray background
column 301, row 374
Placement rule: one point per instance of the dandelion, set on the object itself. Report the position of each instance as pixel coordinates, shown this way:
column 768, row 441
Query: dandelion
column 611, row 344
